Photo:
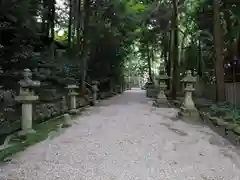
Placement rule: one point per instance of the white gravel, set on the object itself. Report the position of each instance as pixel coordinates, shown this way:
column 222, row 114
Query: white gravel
column 125, row 138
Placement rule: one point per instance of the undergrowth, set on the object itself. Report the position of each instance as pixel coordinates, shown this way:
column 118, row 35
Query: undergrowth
column 224, row 110
column 20, row 143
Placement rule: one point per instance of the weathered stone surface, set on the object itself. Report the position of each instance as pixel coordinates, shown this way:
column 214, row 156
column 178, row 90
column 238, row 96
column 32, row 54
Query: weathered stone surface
column 151, row 90
column 26, row 98
column 67, row 119
column 63, row 104
column 188, row 114
column 188, row 109
column 94, row 92
column 237, row 130
column 161, row 99
column 221, row 122
column 72, row 95
column 231, row 126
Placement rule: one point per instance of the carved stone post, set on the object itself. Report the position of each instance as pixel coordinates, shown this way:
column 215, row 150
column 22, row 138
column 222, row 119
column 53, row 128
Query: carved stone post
column 26, row 98
column 94, row 92
column 188, row 109
column 72, row 94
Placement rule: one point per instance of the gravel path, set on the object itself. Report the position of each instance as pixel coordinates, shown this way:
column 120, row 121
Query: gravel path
column 125, row 138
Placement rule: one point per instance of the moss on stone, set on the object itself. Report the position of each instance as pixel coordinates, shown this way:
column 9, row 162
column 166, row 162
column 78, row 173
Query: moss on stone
column 20, row 143
column 237, row 130
column 221, row 122
column 231, row 126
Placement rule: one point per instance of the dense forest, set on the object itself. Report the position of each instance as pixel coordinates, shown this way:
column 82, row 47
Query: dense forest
column 120, row 38
column 59, row 57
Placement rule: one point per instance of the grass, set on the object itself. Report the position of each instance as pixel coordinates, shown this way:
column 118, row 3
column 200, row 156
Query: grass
column 20, row 143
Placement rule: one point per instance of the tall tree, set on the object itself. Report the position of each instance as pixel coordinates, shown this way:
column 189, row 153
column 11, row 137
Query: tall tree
column 218, row 46
column 70, row 18
column 175, row 51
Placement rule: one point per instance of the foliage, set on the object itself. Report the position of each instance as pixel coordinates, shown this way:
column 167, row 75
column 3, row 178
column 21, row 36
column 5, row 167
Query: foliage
column 18, row 31
column 226, row 111
column 116, row 37
column 197, row 21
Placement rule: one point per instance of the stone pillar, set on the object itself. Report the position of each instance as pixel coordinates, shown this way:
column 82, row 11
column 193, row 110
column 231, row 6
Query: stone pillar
column 188, row 110
column 94, row 92
column 72, row 94
column 161, row 99
column 63, row 107
column 26, row 98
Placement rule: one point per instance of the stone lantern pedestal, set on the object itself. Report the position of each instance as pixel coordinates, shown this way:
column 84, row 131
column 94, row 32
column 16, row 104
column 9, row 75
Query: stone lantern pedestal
column 94, row 92
column 188, row 110
column 26, row 98
column 72, row 94
column 161, row 99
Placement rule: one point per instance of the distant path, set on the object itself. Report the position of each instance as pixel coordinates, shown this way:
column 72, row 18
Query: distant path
column 126, row 138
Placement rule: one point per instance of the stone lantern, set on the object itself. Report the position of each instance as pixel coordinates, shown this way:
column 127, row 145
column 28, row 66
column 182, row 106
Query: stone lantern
column 188, row 109
column 118, row 89
column 72, row 94
column 150, row 89
column 26, row 98
column 94, row 92
column 161, row 98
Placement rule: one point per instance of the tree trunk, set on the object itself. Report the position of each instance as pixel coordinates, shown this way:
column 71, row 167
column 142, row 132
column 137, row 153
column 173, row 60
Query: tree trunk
column 149, row 63
column 78, row 32
column 165, row 49
column 152, row 61
column 85, row 45
column 52, row 18
column 45, row 18
column 52, row 25
column 199, row 67
column 175, row 51
column 74, row 18
column 169, row 64
column 218, row 45
column 70, row 24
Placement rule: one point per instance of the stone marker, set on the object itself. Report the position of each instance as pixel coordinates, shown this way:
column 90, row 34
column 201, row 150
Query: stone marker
column 94, row 92
column 26, row 98
column 72, row 94
column 188, row 109
column 63, row 107
column 67, row 119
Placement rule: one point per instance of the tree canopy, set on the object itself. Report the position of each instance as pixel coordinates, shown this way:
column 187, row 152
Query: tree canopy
column 112, row 38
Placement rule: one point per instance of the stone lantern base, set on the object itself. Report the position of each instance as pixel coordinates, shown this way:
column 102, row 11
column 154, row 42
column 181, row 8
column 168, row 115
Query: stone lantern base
column 161, row 102
column 26, row 132
column 73, row 111
column 188, row 114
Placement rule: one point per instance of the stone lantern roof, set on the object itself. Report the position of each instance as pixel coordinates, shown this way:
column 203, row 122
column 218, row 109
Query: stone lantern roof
column 189, row 78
